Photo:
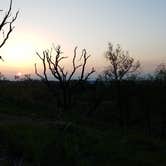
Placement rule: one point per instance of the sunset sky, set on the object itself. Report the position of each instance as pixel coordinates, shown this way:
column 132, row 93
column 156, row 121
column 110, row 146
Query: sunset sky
column 138, row 25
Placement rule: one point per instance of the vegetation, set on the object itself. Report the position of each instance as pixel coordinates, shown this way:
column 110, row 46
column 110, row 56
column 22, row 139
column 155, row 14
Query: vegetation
column 64, row 79
column 72, row 121
column 121, row 64
column 33, row 134
column 6, row 25
column 160, row 72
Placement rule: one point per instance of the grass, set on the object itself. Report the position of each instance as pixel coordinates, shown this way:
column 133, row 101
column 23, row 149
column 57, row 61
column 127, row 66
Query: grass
column 30, row 129
column 83, row 146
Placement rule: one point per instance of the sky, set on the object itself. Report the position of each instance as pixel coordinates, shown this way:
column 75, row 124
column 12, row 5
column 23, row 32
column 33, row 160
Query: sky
column 137, row 25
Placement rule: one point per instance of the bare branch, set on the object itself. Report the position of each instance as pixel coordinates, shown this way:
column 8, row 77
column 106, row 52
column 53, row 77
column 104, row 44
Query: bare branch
column 44, row 77
column 85, row 58
column 36, row 72
column 74, row 65
column 54, row 65
column 6, row 22
column 89, row 74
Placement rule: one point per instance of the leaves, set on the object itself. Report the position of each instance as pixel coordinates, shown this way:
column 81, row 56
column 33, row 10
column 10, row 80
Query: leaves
column 121, row 63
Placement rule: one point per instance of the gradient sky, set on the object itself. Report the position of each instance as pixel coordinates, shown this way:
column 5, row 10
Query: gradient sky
column 138, row 25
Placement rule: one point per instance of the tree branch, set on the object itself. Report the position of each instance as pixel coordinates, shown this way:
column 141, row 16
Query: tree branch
column 5, row 22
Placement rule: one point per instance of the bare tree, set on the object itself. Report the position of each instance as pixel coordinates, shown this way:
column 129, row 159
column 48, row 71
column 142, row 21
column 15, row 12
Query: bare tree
column 53, row 64
column 121, row 64
column 6, row 25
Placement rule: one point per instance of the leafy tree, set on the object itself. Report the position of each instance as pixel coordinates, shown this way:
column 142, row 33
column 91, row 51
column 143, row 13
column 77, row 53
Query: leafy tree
column 121, row 63
column 121, row 66
column 160, row 72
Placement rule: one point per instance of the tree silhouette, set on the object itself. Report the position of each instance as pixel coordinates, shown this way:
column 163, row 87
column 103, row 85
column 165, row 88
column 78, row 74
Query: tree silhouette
column 160, row 72
column 121, row 64
column 66, row 81
column 6, row 25
column 2, row 77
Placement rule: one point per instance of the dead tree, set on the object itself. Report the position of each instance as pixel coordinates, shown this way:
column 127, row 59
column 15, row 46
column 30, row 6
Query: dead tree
column 6, row 25
column 67, row 81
